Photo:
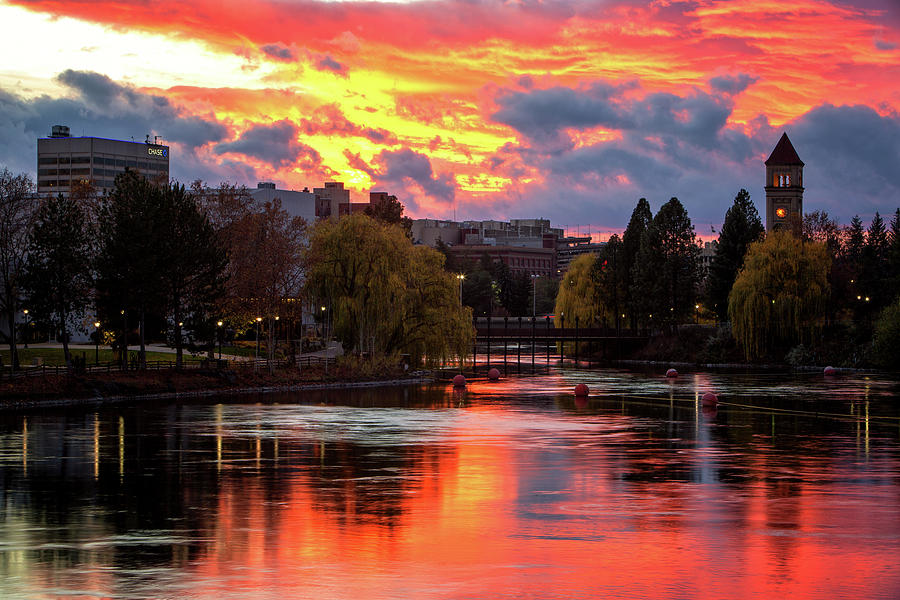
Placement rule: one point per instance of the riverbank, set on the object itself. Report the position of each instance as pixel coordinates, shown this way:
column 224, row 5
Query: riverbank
column 137, row 386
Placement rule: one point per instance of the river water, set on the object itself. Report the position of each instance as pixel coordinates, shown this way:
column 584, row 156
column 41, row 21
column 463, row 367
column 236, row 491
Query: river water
column 511, row 489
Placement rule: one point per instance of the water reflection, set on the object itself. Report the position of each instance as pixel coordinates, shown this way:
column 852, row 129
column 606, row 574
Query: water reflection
column 511, row 488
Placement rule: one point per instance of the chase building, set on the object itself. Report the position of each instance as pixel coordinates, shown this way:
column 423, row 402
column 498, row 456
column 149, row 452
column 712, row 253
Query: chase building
column 63, row 160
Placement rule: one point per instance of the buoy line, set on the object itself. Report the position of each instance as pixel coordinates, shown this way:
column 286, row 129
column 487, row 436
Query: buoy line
column 763, row 409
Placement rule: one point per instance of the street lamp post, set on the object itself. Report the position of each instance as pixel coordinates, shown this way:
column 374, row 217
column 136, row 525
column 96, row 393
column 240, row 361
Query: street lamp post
column 258, row 321
column 534, row 278
column 97, row 342
column 219, row 331
column 25, row 334
column 460, row 276
column 277, row 318
column 697, row 313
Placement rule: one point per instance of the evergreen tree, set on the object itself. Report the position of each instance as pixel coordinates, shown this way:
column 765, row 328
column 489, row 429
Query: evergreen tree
column 58, row 273
column 611, row 280
column 873, row 268
column 665, row 274
column 196, row 261
column 742, row 227
column 640, row 221
column 893, row 255
column 854, row 241
column 131, row 264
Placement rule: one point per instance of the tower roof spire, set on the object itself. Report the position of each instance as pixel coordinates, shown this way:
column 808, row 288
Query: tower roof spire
column 784, row 153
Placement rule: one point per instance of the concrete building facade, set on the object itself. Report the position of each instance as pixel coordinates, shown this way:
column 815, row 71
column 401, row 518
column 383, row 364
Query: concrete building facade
column 64, row 161
column 329, row 199
column 297, row 204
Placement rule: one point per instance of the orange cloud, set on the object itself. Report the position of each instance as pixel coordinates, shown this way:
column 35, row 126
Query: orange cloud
column 359, row 79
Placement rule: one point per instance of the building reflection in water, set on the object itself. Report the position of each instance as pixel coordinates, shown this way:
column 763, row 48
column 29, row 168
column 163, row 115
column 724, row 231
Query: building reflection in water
column 511, row 487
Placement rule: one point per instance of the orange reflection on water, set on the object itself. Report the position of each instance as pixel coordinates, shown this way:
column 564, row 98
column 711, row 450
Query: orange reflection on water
column 500, row 507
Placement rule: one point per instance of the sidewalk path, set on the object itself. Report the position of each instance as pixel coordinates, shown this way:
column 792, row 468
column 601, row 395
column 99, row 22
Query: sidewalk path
column 333, row 350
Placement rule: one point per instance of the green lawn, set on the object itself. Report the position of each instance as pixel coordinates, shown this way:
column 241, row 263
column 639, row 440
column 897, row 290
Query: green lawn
column 54, row 356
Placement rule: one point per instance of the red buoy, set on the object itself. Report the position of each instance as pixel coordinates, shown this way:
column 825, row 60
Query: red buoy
column 709, row 399
column 581, row 390
column 494, row 374
column 459, row 381
column 709, row 411
column 830, row 371
column 671, row 373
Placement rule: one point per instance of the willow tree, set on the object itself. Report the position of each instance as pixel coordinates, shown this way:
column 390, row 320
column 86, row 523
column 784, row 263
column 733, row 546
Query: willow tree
column 386, row 295
column 577, row 301
column 779, row 298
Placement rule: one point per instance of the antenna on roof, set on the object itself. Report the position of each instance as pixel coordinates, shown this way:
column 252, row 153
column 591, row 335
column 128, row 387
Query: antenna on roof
column 147, row 139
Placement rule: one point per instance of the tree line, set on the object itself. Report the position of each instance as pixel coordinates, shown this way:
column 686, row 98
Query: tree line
column 161, row 261
column 815, row 291
column 647, row 278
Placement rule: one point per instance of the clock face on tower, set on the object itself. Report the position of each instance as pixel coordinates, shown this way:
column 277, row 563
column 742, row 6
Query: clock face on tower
column 781, row 212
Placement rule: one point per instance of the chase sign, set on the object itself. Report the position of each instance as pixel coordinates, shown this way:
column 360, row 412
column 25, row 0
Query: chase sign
column 158, row 151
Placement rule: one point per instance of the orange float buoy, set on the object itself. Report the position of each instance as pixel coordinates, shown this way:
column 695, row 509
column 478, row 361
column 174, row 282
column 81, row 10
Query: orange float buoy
column 459, row 381
column 494, row 374
column 581, row 390
column 671, row 373
column 830, row 371
column 709, row 399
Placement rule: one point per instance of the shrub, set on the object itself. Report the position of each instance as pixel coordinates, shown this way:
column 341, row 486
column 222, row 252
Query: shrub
column 886, row 346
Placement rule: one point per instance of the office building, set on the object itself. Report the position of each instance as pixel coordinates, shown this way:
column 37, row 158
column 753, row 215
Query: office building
column 63, row 160
column 330, row 198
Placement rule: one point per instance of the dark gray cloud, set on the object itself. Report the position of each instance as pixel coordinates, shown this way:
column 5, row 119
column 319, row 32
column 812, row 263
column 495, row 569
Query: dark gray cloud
column 274, row 143
column 100, row 107
column 280, row 52
column 327, row 63
column 683, row 145
column 93, row 87
column 852, row 155
column 407, row 170
column 732, row 84
column 541, row 114
column 885, row 45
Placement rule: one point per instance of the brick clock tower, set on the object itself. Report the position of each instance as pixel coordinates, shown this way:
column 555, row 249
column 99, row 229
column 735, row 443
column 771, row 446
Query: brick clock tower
column 784, row 185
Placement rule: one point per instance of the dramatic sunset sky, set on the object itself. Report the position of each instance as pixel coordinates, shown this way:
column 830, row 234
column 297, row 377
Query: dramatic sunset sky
column 491, row 109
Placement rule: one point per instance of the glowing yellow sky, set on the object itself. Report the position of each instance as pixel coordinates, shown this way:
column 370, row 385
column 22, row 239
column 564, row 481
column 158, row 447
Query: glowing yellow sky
column 428, row 76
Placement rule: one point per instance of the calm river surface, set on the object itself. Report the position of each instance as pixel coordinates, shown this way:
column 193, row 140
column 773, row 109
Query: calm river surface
column 509, row 490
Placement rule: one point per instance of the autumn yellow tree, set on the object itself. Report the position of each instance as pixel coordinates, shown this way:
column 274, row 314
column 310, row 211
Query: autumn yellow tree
column 779, row 297
column 577, row 300
column 386, row 295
